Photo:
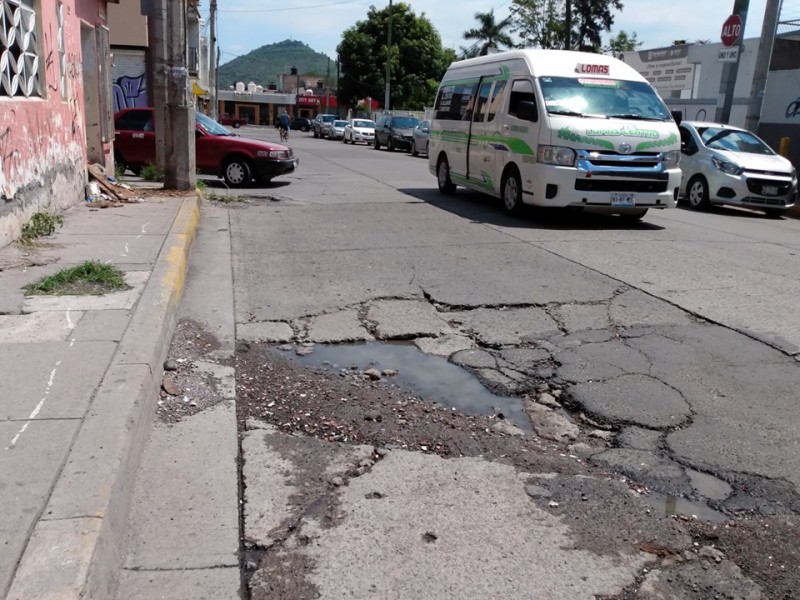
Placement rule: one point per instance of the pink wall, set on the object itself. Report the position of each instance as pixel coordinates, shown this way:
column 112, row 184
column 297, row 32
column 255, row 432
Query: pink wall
column 43, row 140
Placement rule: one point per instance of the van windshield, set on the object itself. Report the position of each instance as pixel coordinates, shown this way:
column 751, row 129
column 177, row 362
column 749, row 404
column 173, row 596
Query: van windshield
column 604, row 98
column 405, row 122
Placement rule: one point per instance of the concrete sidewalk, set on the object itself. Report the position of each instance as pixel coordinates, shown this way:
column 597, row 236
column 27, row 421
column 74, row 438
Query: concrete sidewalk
column 80, row 376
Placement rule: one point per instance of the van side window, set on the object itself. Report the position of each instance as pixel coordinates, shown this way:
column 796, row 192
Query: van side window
column 521, row 90
column 454, row 101
column 483, row 100
column 496, row 101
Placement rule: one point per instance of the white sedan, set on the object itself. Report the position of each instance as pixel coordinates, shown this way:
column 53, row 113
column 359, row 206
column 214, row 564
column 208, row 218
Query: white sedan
column 359, row 130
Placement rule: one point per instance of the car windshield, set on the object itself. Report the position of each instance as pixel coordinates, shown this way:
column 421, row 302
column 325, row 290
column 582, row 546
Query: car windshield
column 733, row 140
column 210, row 126
column 605, row 98
column 364, row 123
column 339, row 123
column 405, row 122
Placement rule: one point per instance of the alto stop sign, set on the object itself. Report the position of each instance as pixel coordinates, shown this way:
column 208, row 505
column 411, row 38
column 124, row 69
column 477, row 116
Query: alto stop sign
column 731, row 30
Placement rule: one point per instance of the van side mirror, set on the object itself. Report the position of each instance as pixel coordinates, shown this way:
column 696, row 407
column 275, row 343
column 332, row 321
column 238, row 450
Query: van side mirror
column 526, row 110
column 677, row 115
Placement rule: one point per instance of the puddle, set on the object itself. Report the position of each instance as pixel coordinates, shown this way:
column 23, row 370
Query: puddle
column 431, row 377
column 672, row 505
column 709, row 486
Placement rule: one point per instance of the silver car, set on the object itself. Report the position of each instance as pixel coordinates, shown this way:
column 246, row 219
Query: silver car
column 359, row 130
column 722, row 164
column 419, row 143
column 335, row 130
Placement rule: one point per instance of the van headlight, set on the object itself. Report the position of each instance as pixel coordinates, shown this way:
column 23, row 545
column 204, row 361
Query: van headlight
column 672, row 158
column 726, row 167
column 556, row 155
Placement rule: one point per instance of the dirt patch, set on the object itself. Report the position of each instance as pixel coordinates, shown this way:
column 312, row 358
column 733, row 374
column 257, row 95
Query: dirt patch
column 194, row 379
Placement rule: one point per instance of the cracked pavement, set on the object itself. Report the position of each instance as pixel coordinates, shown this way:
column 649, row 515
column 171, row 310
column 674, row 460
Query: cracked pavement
column 658, row 361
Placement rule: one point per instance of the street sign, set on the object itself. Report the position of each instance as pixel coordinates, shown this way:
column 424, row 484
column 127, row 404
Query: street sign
column 728, row 54
column 731, row 30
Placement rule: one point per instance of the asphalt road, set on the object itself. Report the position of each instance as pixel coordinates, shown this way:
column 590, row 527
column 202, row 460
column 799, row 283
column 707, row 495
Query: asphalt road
column 680, row 333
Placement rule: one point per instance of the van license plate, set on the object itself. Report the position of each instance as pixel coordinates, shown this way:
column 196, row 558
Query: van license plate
column 623, row 199
column 769, row 190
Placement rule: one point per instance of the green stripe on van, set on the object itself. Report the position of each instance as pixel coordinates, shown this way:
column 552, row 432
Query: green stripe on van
column 502, row 76
column 515, row 145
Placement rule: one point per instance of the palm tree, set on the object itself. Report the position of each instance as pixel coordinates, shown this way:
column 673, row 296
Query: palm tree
column 489, row 33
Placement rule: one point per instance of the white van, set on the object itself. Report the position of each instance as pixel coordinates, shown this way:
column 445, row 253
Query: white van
column 555, row 128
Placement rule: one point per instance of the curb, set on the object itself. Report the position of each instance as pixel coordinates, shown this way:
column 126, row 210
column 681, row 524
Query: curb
column 74, row 551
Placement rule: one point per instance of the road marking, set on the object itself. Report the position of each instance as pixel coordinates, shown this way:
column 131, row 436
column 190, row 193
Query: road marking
column 38, row 408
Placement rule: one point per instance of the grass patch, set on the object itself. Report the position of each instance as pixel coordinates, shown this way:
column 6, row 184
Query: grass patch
column 152, row 173
column 227, row 199
column 119, row 171
column 41, row 224
column 90, row 278
column 201, row 186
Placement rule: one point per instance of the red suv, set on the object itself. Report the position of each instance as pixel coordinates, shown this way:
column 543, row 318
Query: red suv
column 218, row 151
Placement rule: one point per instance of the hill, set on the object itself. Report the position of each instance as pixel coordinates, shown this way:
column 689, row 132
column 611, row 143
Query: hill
column 263, row 65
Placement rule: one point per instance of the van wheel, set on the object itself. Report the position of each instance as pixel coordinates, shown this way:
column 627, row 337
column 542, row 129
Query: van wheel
column 377, row 143
column 237, row 172
column 512, row 192
column 697, row 193
column 446, row 186
column 391, row 145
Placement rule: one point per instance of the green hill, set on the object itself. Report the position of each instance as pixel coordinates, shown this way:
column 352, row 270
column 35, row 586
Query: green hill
column 264, row 65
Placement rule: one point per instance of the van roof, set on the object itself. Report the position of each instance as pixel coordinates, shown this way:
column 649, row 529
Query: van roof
column 554, row 62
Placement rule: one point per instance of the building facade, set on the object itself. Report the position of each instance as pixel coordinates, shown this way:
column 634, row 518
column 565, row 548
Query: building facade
column 55, row 105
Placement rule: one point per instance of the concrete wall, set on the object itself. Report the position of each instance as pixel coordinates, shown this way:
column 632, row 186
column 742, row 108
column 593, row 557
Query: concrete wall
column 43, row 139
column 128, row 25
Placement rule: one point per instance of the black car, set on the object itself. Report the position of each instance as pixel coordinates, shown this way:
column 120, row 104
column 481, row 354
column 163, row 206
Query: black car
column 320, row 122
column 395, row 131
column 300, row 124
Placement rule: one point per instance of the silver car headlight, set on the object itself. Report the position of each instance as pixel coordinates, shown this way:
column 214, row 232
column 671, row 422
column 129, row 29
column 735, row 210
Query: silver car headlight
column 556, row 155
column 726, row 167
column 672, row 158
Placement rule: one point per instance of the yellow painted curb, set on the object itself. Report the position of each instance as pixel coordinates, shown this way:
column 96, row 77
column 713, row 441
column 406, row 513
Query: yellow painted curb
column 183, row 232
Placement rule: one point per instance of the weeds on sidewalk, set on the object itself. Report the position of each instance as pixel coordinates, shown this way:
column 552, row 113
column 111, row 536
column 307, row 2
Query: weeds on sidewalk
column 152, row 173
column 40, row 224
column 91, row 278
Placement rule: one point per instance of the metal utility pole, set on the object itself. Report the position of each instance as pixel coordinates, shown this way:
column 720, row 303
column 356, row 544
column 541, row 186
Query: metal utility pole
column 768, row 29
column 388, row 61
column 213, row 59
column 730, row 70
column 179, row 166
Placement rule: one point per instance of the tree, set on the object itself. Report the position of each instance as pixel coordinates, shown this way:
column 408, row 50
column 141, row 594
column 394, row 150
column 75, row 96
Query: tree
column 622, row 42
column 489, row 34
column 542, row 23
column 417, row 59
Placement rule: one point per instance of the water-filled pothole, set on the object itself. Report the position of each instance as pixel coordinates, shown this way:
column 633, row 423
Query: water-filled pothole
column 673, row 505
column 431, row 377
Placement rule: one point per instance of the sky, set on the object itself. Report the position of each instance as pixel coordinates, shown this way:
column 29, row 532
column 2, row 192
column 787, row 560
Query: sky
column 244, row 25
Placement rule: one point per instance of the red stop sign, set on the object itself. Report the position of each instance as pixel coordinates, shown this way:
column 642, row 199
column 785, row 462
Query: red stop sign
column 731, row 30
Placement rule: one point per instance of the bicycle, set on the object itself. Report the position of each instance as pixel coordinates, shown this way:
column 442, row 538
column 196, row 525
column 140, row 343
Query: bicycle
column 284, row 134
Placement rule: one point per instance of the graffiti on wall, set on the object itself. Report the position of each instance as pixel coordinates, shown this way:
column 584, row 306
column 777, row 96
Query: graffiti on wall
column 130, row 92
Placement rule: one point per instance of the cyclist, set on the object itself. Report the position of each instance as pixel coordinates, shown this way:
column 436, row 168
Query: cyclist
column 283, row 125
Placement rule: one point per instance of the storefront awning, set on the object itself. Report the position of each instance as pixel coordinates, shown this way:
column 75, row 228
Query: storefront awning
column 197, row 90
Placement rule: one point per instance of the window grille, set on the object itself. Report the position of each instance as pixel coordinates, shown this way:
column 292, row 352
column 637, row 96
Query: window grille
column 19, row 50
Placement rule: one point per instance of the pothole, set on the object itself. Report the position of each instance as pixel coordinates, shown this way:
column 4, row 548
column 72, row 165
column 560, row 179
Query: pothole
column 431, row 377
column 669, row 506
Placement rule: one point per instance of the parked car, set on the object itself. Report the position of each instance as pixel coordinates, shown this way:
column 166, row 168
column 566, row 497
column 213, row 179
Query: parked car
column 395, row 131
column 419, row 141
column 722, row 164
column 336, row 129
column 300, row 124
column 319, row 122
column 226, row 119
column 359, row 130
column 219, row 151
